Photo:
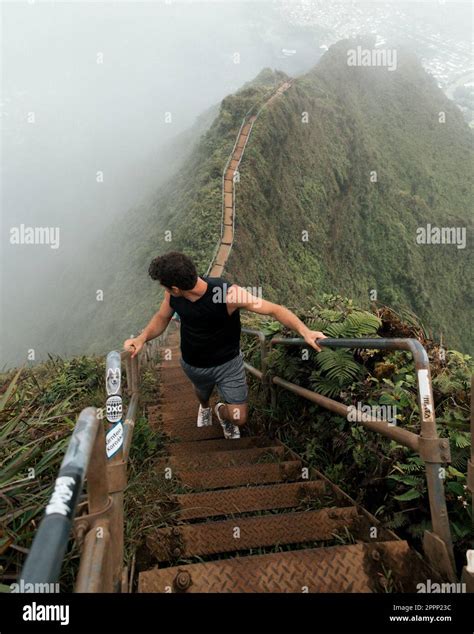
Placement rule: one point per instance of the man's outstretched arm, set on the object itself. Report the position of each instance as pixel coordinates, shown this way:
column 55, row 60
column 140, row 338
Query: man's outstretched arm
column 157, row 324
column 240, row 298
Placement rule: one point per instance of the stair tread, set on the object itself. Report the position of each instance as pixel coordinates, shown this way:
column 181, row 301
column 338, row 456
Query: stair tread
column 192, row 447
column 251, row 455
column 215, row 537
column 346, row 568
column 221, row 477
column 245, row 499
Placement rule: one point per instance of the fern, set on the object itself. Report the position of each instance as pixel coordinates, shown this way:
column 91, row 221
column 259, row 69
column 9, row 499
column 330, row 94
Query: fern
column 410, row 480
column 461, row 439
column 359, row 324
column 324, row 386
column 336, row 330
column 338, row 365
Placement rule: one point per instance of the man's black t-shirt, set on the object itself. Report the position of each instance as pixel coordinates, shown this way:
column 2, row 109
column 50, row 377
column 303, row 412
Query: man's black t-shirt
column 209, row 335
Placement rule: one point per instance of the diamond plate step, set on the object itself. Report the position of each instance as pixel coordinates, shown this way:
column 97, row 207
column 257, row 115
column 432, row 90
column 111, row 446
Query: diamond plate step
column 225, row 458
column 188, row 431
column 245, row 499
column 351, row 568
column 208, row 538
column 191, row 448
column 235, row 476
column 182, row 425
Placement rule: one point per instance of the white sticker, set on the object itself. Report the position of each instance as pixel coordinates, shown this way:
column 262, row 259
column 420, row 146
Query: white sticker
column 425, row 395
column 112, row 380
column 114, row 440
column 113, row 409
column 62, row 494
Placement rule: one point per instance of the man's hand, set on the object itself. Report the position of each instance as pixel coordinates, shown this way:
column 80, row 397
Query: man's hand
column 310, row 336
column 134, row 345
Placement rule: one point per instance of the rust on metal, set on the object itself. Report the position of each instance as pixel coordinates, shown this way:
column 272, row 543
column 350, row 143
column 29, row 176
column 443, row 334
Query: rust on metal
column 226, row 458
column 117, row 476
column 236, row 476
column 249, row 532
column 245, row 499
column 349, row 568
column 221, row 444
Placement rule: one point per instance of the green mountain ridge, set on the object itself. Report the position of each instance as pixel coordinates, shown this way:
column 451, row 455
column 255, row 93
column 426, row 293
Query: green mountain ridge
column 315, row 177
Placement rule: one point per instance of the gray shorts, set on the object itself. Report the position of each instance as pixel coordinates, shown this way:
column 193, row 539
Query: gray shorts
column 229, row 378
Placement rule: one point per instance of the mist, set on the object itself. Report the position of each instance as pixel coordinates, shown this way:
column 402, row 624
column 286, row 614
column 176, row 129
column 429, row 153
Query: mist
column 93, row 95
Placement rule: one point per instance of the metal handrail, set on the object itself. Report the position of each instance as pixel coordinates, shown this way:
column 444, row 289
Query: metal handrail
column 46, row 554
column 99, row 532
column 433, row 450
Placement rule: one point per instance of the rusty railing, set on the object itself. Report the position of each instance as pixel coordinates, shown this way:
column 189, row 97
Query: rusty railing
column 97, row 456
column 434, row 451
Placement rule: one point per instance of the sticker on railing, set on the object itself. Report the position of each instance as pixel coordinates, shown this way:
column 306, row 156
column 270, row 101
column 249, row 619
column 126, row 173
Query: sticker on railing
column 112, row 380
column 427, row 409
column 63, row 496
column 113, row 409
column 114, row 440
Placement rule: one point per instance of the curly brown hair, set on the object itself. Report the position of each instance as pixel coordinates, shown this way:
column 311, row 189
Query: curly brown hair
column 174, row 269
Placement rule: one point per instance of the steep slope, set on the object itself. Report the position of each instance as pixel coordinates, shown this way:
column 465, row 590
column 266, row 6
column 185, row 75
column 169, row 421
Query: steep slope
column 315, row 176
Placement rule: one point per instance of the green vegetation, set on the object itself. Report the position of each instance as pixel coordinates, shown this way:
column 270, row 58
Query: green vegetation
column 316, row 177
column 38, row 411
column 385, row 477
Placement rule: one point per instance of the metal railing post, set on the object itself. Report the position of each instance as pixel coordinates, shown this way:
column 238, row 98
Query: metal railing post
column 128, row 374
column 95, row 569
column 116, row 467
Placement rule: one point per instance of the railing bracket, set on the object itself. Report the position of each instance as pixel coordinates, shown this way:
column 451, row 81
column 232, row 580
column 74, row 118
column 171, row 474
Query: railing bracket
column 434, row 449
column 84, row 523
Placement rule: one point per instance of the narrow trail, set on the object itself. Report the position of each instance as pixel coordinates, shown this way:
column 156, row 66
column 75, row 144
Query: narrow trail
column 228, row 203
column 253, row 517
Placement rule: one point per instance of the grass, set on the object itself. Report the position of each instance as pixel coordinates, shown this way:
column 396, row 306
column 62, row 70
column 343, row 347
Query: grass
column 38, row 410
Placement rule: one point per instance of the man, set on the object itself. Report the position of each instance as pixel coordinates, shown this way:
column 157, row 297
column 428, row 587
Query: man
column 209, row 312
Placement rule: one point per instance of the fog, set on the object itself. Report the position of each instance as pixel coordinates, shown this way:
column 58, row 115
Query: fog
column 93, row 92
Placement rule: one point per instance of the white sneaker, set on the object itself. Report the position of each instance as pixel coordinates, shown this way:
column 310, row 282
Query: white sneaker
column 231, row 431
column 204, row 418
